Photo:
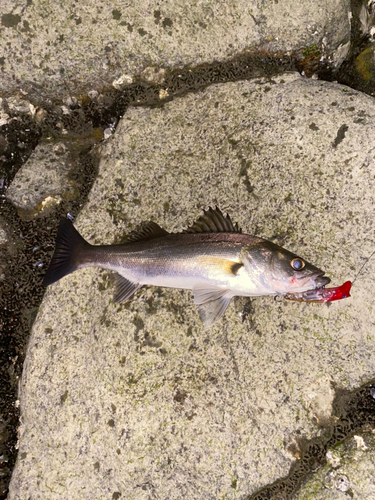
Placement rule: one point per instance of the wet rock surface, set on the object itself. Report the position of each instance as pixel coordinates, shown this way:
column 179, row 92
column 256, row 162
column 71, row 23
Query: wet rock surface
column 322, row 464
column 4, row 238
column 22, row 263
column 169, row 409
column 349, row 471
column 69, row 49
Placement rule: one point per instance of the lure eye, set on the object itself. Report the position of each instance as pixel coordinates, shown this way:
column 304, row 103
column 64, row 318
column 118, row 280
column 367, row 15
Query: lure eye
column 297, row 264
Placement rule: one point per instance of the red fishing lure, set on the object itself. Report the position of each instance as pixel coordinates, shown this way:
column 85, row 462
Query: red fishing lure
column 322, row 294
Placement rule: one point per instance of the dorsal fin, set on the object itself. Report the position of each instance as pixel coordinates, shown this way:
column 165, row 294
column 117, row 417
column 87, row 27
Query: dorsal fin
column 148, row 231
column 213, row 221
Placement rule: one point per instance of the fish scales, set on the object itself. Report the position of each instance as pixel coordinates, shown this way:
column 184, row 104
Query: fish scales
column 179, row 254
column 212, row 258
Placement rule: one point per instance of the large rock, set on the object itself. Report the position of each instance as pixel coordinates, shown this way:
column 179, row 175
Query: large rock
column 138, row 400
column 43, row 181
column 68, row 48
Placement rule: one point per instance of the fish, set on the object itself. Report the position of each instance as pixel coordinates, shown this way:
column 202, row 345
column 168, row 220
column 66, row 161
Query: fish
column 212, row 258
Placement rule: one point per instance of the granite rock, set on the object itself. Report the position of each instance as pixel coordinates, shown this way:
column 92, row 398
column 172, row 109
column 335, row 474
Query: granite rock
column 138, row 400
column 53, row 50
column 43, row 181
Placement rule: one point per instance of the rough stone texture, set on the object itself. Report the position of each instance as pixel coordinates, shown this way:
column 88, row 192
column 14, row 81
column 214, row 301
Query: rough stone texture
column 9, row 241
column 12, row 107
column 54, row 49
column 349, row 474
column 138, row 399
column 43, row 181
column 4, row 245
column 4, row 239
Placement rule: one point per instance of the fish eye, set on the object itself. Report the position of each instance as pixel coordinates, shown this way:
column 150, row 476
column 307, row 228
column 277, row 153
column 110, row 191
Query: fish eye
column 297, row 264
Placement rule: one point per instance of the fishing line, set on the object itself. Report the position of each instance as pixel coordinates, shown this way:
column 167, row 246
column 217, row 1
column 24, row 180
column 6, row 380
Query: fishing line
column 359, row 272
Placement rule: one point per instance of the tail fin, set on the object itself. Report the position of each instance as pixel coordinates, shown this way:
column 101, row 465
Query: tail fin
column 66, row 259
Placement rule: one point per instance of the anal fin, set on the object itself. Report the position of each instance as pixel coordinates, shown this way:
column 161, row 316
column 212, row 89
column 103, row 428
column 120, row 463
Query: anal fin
column 212, row 302
column 124, row 288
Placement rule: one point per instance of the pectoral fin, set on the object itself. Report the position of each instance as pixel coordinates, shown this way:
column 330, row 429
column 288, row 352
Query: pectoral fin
column 124, row 288
column 212, row 302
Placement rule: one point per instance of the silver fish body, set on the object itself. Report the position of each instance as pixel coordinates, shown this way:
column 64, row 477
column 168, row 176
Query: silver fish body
column 212, row 258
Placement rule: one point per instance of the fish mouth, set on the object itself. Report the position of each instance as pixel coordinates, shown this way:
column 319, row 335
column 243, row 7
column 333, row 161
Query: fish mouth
column 310, row 283
column 317, row 283
column 321, row 281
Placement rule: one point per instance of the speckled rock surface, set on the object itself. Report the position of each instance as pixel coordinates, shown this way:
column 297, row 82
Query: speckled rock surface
column 349, row 473
column 51, row 50
column 4, row 238
column 43, row 181
column 4, row 245
column 138, row 400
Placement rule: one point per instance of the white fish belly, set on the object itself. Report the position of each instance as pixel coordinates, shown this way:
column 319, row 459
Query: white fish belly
column 241, row 284
column 186, row 282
